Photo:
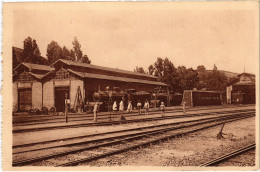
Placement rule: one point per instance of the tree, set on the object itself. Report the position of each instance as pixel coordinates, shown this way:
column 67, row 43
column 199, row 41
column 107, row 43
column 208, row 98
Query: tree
column 187, row 79
column 68, row 54
column 31, row 51
column 65, row 53
column 216, row 80
column 151, row 70
column 76, row 49
column 165, row 71
column 203, row 77
column 54, row 52
column 139, row 69
column 201, row 68
column 72, row 55
column 85, row 59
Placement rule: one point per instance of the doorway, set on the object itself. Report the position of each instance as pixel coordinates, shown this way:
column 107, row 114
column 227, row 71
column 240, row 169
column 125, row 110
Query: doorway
column 60, row 98
column 24, row 99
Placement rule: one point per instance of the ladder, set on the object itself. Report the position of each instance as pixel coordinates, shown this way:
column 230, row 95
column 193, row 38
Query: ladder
column 78, row 100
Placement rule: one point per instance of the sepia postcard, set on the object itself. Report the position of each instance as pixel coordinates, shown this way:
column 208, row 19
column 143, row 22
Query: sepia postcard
column 130, row 86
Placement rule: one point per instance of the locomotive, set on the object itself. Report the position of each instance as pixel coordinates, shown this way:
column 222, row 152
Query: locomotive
column 107, row 98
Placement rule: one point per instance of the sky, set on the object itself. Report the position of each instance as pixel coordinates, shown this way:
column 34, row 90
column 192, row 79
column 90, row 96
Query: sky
column 126, row 35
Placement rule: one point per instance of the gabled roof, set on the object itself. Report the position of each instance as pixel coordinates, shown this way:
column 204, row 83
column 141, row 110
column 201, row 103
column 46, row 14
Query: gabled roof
column 237, row 80
column 19, row 50
column 38, row 76
column 35, row 66
column 74, row 63
column 249, row 74
column 114, row 78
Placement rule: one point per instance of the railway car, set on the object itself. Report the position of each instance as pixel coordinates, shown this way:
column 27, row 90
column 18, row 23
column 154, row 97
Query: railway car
column 201, row 98
column 106, row 98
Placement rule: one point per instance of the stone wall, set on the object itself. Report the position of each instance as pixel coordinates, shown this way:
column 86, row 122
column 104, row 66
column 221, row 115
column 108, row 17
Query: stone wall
column 229, row 91
column 48, row 94
column 37, row 95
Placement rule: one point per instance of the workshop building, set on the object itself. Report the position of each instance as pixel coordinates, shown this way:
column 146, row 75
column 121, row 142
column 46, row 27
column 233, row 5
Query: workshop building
column 242, row 89
column 28, row 85
column 45, row 86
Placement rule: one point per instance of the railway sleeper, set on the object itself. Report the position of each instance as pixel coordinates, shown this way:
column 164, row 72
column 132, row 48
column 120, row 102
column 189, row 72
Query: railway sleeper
column 136, row 146
column 118, row 137
column 23, row 162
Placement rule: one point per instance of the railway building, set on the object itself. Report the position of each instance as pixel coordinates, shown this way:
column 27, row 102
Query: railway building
column 242, row 89
column 45, row 86
column 28, row 85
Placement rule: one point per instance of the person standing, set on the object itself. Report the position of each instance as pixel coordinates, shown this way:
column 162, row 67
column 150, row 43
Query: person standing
column 95, row 111
column 146, row 107
column 162, row 107
column 67, row 106
column 139, row 105
column 114, row 107
column 121, row 109
column 121, row 106
column 129, row 107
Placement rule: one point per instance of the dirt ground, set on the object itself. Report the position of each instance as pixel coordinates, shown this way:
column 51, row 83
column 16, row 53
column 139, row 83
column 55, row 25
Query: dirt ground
column 191, row 150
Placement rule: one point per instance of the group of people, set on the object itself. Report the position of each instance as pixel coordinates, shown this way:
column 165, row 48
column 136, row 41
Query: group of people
column 130, row 106
column 139, row 107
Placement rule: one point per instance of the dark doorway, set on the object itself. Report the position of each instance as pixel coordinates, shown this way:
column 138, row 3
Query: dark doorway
column 60, row 98
column 24, row 99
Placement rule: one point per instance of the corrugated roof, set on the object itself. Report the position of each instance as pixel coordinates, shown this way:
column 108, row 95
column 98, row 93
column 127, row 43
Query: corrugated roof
column 39, row 67
column 73, row 63
column 114, row 78
column 36, row 66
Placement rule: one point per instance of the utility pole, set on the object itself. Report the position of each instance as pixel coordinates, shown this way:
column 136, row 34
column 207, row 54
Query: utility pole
column 66, row 107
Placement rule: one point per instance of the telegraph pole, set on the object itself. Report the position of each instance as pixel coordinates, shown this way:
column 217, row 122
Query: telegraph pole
column 66, row 107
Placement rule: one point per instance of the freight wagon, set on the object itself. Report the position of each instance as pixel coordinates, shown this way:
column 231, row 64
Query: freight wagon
column 201, row 98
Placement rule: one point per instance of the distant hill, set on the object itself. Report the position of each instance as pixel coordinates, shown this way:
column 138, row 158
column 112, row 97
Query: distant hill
column 227, row 73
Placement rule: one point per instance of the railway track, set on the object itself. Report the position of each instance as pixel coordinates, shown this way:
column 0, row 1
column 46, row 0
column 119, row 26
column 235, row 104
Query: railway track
column 107, row 146
column 227, row 157
column 118, row 131
column 20, row 130
column 31, row 120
